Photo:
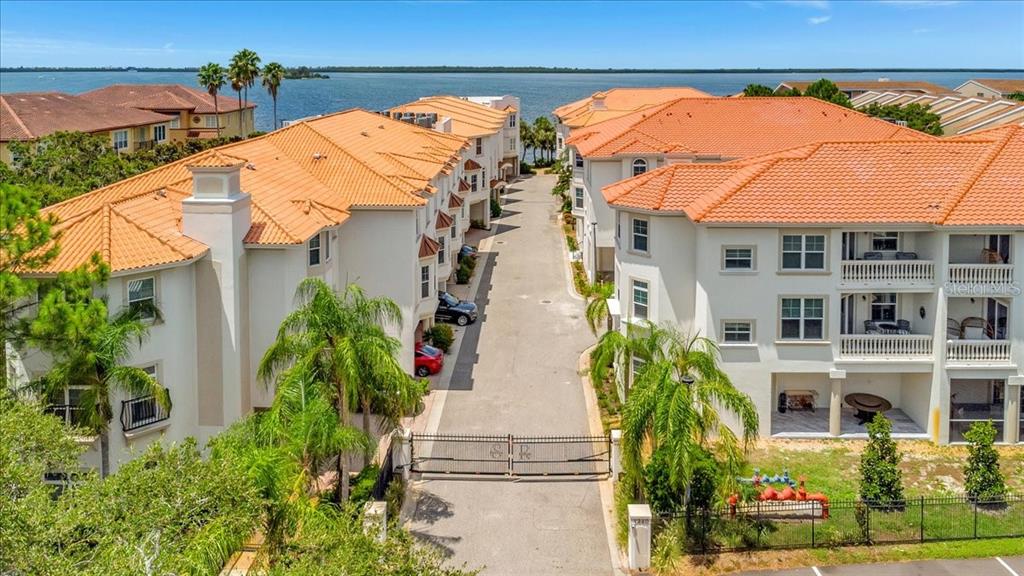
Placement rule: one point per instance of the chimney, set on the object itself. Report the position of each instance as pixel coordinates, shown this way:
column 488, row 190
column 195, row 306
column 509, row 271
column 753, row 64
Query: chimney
column 444, row 125
column 218, row 215
column 597, row 101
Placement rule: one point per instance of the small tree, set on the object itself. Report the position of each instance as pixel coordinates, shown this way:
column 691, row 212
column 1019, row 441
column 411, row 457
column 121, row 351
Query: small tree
column 1018, row 96
column 982, row 477
column 881, row 480
column 827, row 90
column 757, row 90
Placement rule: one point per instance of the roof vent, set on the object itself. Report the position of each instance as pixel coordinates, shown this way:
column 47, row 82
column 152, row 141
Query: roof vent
column 318, row 156
column 365, row 133
column 162, row 193
column 250, row 165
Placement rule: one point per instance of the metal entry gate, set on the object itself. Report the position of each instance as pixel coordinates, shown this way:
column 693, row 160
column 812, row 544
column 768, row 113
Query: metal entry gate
column 511, row 455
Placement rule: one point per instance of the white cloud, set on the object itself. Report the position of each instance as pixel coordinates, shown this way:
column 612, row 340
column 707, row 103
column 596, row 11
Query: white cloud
column 818, row 4
column 815, row 20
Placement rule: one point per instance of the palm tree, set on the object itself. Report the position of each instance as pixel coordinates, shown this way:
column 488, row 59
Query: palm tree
column 273, row 74
column 244, row 69
column 674, row 402
column 340, row 339
column 597, row 304
column 94, row 364
column 212, row 77
column 526, row 137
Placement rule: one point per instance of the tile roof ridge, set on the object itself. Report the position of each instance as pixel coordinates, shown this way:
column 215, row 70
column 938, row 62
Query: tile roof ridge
column 979, row 170
column 355, row 158
column 105, row 232
column 708, row 203
column 10, row 110
column 146, row 231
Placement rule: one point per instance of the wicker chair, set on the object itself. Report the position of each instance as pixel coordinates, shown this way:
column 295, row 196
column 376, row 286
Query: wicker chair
column 871, row 327
column 953, row 329
column 989, row 256
column 976, row 322
column 903, row 326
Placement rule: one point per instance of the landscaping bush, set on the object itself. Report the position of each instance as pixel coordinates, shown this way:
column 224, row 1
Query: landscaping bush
column 463, row 273
column 495, row 209
column 571, row 242
column 440, row 336
column 362, row 486
column 881, row 480
column 525, row 168
column 983, row 480
column 662, row 495
column 478, row 224
column 579, row 279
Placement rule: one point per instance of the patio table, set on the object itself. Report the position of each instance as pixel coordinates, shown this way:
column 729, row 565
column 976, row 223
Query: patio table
column 867, row 405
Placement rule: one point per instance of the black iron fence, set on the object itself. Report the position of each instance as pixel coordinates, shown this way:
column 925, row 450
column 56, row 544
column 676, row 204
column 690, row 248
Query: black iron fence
column 773, row 525
column 142, row 411
column 71, row 414
column 511, row 455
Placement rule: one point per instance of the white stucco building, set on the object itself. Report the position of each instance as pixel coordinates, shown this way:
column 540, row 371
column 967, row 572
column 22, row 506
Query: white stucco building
column 884, row 268
column 220, row 241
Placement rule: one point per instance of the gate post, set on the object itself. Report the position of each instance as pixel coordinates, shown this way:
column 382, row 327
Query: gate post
column 639, row 536
column 616, row 455
column 401, row 452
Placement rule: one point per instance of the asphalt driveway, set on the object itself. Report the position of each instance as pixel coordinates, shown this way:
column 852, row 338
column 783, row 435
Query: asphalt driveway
column 1005, row 566
column 515, row 373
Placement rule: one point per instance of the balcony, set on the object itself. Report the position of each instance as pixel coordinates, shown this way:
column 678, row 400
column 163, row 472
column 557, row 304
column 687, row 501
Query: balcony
column 974, row 274
column 885, row 346
column 141, row 412
column 974, row 352
column 145, row 144
column 887, row 273
column 71, row 414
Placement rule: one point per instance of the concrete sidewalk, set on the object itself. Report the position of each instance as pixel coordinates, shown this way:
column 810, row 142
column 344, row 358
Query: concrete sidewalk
column 516, row 372
column 1005, row 566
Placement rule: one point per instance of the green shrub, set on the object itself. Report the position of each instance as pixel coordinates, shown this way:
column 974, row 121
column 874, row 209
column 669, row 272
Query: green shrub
column 525, row 168
column 478, row 224
column 572, row 243
column 881, row 480
column 579, row 279
column 362, row 486
column 495, row 208
column 983, row 480
column 662, row 495
column 464, row 272
column 470, row 262
column 394, row 495
column 440, row 336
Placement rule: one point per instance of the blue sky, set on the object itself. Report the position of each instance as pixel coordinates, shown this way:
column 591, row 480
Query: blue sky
column 750, row 34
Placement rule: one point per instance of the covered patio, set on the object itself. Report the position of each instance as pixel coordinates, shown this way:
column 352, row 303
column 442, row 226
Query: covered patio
column 807, row 424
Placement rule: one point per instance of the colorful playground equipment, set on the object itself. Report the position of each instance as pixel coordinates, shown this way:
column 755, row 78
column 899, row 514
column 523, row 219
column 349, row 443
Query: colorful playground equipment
column 786, row 494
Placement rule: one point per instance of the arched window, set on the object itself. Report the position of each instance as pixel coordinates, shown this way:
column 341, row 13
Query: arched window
column 639, row 166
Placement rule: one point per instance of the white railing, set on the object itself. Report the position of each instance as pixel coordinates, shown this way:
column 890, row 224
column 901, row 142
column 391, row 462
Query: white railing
column 891, row 346
column 983, row 351
column 888, row 271
column 981, row 273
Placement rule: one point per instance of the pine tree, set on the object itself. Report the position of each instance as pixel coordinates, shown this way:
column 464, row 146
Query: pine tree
column 881, row 480
column 982, row 477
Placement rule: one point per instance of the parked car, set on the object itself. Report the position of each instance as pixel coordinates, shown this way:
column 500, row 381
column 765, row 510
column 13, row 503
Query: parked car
column 428, row 360
column 451, row 309
column 465, row 251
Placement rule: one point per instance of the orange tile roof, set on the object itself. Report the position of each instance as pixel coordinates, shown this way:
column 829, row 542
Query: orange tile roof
column 616, row 102
column 443, row 221
column 455, row 201
column 1001, row 85
column 888, row 85
column 975, row 180
column 301, row 178
column 165, row 97
column 731, row 128
column 31, row 115
column 469, row 119
column 428, row 246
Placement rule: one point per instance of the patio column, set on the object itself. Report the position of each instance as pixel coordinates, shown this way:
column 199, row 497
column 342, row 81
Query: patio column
column 835, row 402
column 1011, row 422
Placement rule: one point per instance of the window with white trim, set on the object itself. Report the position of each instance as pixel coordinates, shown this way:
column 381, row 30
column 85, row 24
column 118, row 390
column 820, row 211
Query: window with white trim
column 637, row 364
column 479, row 146
column 641, row 235
column 175, row 122
column 424, row 281
column 473, row 182
column 160, row 133
column 142, row 296
column 455, row 226
column 737, row 331
column 120, row 138
column 511, row 120
column 737, row 258
column 641, row 299
column 212, row 121
column 578, row 160
column 883, row 307
column 802, row 319
column 639, row 166
column 326, row 243
column 440, row 251
column 314, row 250
column 803, row 252
column 579, row 198
column 885, row 241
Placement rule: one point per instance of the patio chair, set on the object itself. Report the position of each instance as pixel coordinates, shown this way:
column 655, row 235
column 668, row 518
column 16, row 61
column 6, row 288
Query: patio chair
column 906, row 255
column 953, row 329
column 989, row 256
column 873, row 256
column 871, row 327
column 903, row 326
column 975, row 328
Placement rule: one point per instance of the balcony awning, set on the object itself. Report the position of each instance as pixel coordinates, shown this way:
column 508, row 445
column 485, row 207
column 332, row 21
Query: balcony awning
column 463, row 185
column 455, row 201
column 495, row 184
column 443, row 221
column 472, row 165
column 428, row 247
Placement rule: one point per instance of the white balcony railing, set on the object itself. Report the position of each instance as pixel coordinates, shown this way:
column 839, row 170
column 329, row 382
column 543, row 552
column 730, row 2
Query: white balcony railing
column 981, row 273
column 980, row 351
column 885, row 346
column 908, row 272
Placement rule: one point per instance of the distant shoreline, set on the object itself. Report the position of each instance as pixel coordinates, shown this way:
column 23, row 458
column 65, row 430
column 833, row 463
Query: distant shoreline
column 535, row 70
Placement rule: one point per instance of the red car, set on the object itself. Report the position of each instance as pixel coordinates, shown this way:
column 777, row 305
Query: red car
column 429, row 360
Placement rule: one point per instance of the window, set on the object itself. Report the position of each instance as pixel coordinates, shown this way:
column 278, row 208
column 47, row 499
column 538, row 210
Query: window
column 737, row 258
column 803, row 252
column 803, row 318
column 639, row 166
column 511, row 120
column 579, row 198
column 440, row 250
column 327, row 246
column 140, row 133
column 473, row 182
column 640, row 234
column 479, row 146
column 578, row 160
column 120, row 139
column 424, row 281
column 455, row 227
column 885, row 241
column 738, row 332
column 176, row 122
column 314, row 250
column 641, row 301
column 211, row 122
column 637, row 365
column 142, row 296
column 160, row 133
column 883, row 307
